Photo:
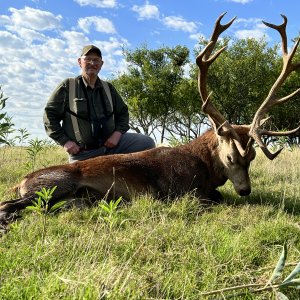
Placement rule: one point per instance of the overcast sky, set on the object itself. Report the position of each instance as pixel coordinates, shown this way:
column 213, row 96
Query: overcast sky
column 40, row 40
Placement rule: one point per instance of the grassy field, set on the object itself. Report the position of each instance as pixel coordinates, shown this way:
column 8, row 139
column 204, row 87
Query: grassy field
column 149, row 249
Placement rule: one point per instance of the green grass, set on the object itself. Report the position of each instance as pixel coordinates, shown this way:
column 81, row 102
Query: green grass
column 153, row 249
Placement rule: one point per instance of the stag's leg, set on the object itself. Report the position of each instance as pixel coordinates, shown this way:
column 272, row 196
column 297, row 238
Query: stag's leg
column 210, row 197
column 215, row 196
column 65, row 178
column 14, row 205
column 8, row 208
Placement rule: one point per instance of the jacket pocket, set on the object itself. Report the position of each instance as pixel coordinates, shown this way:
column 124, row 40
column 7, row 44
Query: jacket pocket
column 81, row 107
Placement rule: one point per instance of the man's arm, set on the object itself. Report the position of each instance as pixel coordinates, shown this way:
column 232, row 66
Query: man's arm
column 54, row 114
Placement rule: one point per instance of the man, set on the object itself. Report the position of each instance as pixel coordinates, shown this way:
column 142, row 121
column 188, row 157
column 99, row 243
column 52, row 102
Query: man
column 88, row 117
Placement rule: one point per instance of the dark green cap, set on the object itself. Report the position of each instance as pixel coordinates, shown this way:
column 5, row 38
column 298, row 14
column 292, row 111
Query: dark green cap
column 89, row 48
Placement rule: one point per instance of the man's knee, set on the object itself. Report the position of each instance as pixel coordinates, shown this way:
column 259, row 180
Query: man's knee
column 148, row 142
column 145, row 142
column 138, row 142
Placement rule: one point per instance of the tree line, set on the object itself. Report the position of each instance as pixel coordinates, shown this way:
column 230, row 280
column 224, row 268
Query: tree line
column 161, row 90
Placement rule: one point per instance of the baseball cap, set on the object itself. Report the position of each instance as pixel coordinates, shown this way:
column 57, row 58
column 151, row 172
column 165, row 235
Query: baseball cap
column 88, row 48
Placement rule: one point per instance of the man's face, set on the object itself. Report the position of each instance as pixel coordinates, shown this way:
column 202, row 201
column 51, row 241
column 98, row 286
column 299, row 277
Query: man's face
column 90, row 64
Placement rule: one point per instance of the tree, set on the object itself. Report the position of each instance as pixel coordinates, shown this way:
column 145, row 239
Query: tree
column 5, row 121
column 164, row 100
column 149, row 87
column 188, row 119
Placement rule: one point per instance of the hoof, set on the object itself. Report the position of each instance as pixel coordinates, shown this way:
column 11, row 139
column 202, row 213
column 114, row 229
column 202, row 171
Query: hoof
column 3, row 216
column 3, row 222
column 3, row 229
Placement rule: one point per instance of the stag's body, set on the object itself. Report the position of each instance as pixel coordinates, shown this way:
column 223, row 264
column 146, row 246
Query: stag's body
column 162, row 172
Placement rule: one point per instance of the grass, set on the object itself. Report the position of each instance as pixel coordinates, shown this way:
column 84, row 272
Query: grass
column 153, row 249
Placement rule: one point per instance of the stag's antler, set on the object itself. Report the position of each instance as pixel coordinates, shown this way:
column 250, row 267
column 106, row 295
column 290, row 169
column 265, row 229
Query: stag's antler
column 222, row 126
column 204, row 60
column 256, row 131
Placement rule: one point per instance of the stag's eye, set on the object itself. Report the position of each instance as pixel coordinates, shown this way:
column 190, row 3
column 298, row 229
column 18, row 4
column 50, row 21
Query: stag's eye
column 230, row 159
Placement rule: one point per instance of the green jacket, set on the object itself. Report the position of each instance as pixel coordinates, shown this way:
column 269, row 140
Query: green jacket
column 57, row 116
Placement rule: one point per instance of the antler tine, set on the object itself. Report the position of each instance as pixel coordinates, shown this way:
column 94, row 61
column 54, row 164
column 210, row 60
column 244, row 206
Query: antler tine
column 280, row 133
column 271, row 100
column 282, row 30
column 218, row 30
column 200, row 60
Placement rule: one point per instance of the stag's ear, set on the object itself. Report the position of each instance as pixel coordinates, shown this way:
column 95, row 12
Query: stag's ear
column 224, row 129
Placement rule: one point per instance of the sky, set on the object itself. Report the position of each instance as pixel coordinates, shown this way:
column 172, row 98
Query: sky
column 40, row 40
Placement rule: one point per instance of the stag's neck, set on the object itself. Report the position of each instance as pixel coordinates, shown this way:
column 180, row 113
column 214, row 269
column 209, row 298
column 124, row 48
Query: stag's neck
column 206, row 149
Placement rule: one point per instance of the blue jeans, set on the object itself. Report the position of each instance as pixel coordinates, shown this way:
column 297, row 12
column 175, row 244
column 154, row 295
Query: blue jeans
column 129, row 142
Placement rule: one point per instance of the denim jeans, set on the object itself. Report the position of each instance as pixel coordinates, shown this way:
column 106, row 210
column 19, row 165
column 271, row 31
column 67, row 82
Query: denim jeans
column 129, row 143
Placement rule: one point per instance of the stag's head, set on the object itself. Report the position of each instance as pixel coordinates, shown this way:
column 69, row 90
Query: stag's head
column 235, row 142
column 235, row 165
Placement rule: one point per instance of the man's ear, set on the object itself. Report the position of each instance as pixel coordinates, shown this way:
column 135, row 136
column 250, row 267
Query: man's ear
column 79, row 61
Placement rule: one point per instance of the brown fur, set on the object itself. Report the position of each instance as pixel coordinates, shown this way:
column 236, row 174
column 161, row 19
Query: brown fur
column 162, row 172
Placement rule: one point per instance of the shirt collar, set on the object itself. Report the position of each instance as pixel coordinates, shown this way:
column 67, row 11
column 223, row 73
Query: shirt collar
column 97, row 84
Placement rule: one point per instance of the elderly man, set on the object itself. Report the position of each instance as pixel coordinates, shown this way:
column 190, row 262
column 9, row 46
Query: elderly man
column 88, row 117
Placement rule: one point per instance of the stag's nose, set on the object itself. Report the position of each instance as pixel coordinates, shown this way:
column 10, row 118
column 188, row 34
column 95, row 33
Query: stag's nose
column 245, row 192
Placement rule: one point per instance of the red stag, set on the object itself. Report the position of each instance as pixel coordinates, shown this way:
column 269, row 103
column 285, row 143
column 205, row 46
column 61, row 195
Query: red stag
column 224, row 152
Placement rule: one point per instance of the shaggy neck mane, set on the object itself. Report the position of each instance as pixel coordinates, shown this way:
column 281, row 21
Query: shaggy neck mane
column 205, row 147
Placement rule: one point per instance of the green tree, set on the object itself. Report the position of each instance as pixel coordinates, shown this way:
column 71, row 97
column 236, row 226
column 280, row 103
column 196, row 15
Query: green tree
column 149, row 86
column 164, row 99
column 5, row 121
column 188, row 119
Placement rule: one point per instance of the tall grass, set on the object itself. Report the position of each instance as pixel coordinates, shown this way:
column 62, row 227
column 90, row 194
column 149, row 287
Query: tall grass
column 15, row 162
column 154, row 249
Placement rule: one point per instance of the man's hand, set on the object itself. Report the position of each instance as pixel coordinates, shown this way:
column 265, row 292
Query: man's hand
column 71, row 147
column 113, row 140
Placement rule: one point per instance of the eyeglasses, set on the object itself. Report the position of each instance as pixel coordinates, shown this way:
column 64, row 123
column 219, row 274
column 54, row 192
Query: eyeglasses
column 89, row 60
